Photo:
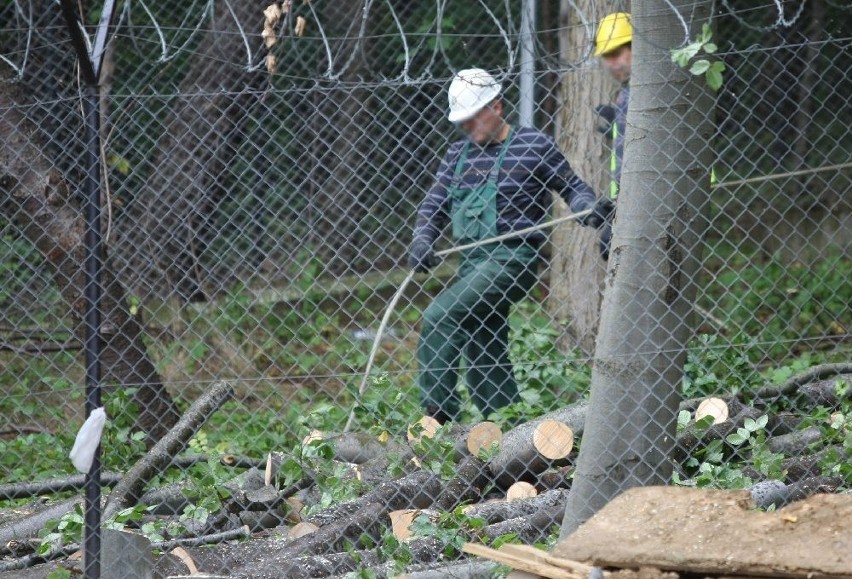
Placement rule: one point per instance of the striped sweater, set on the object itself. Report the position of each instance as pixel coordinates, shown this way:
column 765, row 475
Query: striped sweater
column 533, row 166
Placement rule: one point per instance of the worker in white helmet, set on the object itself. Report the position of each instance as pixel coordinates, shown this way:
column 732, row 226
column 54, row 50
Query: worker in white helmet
column 613, row 44
column 497, row 180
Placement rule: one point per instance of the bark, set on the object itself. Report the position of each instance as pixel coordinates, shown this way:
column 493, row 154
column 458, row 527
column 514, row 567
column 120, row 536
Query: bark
column 35, row 195
column 530, row 529
column 158, row 458
column 414, row 491
column 368, row 520
column 30, row 526
column 200, row 135
column 795, row 443
column 519, row 459
column 499, row 511
column 792, row 384
column 209, row 539
column 646, row 318
column 466, row 486
column 693, row 439
column 801, row 467
column 577, row 270
column 71, row 483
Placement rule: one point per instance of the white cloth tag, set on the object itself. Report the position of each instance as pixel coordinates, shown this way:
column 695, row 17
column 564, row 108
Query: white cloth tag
column 87, row 441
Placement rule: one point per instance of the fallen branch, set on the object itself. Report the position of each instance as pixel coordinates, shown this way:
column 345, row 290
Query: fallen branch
column 160, row 456
column 499, row 511
column 210, row 539
column 792, row 384
column 35, row 558
column 69, row 483
column 530, row 529
column 30, row 526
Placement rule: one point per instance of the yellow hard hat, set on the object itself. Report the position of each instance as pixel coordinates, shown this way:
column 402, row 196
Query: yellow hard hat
column 614, row 30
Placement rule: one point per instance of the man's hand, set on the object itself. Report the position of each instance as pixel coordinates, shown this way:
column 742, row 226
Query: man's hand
column 421, row 258
column 601, row 212
column 607, row 117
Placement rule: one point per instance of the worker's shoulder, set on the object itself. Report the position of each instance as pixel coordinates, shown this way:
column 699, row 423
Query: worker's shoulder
column 532, row 138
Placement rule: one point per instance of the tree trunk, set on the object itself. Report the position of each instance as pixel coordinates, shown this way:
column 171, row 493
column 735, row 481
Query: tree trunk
column 170, row 225
column 646, row 318
column 576, row 276
column 34, row 194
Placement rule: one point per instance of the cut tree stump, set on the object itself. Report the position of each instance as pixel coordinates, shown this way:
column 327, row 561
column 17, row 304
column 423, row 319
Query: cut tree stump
column 426, row 427
column 554, row 440
column 483, row 436
column 715, row 407
column 520, row 490
column 717, row 532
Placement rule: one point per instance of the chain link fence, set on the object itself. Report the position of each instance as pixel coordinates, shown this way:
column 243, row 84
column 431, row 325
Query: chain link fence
column 262, row 173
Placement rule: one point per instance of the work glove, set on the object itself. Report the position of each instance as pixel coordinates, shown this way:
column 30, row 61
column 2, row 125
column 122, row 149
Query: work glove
column 607, row 117
column 601, row 212
column 421, row 258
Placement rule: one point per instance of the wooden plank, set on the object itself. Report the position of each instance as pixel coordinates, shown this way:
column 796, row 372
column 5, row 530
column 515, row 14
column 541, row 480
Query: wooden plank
column 717, row 532
column 519, row 562
column 545, row 557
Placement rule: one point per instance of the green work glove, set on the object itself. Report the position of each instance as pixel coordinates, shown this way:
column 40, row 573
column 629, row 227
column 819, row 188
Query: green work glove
column 421, row 258
column 601, row 212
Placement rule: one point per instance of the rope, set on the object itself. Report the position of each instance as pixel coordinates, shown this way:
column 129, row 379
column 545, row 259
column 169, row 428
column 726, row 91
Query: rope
column 782, row 175
column 392, row 305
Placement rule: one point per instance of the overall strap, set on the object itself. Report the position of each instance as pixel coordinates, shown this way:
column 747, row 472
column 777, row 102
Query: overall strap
column 495, row 170
column 459, row 165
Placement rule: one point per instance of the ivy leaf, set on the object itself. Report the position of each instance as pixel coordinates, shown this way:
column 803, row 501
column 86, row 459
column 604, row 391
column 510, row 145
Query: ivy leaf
column 700, row 66
column 714, row 79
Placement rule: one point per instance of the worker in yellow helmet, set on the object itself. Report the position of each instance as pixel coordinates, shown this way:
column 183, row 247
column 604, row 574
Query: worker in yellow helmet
column 613, row 45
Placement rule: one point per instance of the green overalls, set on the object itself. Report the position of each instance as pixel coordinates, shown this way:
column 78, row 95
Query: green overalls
column 471, row 316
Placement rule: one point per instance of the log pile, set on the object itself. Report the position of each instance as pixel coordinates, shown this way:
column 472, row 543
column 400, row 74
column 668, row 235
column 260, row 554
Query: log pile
column 500, row 484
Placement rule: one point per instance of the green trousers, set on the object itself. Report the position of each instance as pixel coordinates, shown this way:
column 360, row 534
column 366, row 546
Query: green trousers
column 470, row 318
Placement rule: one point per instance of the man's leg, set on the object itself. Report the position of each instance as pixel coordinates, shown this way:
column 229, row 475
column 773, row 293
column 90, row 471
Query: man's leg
column 492, row 382
column 507, row 275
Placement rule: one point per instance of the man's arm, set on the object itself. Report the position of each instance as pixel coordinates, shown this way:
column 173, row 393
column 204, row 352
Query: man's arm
column 433, row 212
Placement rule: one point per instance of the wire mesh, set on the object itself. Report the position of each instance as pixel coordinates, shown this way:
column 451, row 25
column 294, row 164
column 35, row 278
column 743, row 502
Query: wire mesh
column 264, row 184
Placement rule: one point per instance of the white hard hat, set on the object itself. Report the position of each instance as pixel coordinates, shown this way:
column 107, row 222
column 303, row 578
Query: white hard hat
column 471, row 89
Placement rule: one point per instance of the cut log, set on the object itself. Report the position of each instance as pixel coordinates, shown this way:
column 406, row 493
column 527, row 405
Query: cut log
column 520, row 490
column 795, row 443
column 558, row 478
column 801, row 467
column 257, row 521
column 519, row 459
column 33, row 521
column 466, row 486
column 792, row 385
column 529, row 529
column 693, row 439
column 38, row 488
column 715, row 407
column 500, row 510
column 414, row 491
column 210, row 539
column 426, row 427
column 366, row 521
column 156, row 460
column 483, row 436
column 184, row 557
